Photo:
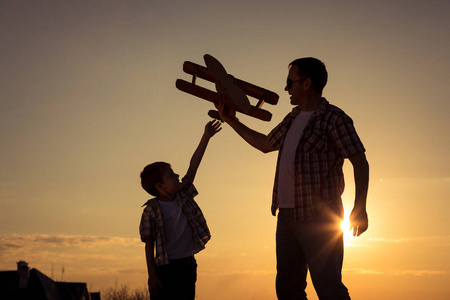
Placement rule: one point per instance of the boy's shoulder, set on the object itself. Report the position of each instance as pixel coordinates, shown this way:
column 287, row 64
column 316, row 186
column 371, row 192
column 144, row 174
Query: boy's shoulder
column 188, row 190
column 152, row 203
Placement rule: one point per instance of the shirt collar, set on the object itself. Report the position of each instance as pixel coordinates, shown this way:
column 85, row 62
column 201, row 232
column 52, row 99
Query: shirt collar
column 322, row 107
column 152, row 202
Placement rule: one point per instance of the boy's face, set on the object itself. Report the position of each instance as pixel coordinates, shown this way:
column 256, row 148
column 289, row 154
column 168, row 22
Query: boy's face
column 170, row 183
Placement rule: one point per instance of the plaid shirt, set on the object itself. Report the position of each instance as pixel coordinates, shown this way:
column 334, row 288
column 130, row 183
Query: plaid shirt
column 328, row 138
column 152, row 223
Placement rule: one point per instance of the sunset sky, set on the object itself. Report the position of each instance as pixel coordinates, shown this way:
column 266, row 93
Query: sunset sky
column 88, row 98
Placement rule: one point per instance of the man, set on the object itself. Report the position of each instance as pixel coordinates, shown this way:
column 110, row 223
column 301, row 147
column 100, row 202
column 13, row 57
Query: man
column 313, row 141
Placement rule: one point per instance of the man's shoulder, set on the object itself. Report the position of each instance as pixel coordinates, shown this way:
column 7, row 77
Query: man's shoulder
column 330, row 108
column 334, row 108
column 331, row 112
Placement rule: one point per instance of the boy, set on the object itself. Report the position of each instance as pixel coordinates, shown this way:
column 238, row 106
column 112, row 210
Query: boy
column 176, row 224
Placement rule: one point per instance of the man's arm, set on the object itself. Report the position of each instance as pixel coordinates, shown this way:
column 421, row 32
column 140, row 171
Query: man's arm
column 254, row 138
column 211, row 129
column 153, row 281
column 358, row 217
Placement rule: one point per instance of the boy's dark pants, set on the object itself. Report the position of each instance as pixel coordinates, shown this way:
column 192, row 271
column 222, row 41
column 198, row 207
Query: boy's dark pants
column 178, row 279
column 315, row 245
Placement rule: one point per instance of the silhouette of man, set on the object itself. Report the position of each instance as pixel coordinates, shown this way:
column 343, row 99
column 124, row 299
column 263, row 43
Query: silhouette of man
column 313, row 140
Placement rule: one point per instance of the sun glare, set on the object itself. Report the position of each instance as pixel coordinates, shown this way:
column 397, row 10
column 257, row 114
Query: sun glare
column 345, row 225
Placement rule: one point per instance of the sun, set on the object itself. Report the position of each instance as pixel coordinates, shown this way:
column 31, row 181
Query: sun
column 345, row 225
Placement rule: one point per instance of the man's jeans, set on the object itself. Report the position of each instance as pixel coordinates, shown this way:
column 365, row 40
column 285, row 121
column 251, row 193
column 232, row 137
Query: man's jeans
column 316, row 245
column 178, row 279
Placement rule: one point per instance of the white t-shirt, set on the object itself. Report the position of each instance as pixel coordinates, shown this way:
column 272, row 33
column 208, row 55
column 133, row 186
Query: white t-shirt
column 286, row 175
column 177, row 231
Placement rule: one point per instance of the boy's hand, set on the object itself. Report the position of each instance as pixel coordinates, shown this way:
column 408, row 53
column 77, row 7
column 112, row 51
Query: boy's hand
column 212, row 127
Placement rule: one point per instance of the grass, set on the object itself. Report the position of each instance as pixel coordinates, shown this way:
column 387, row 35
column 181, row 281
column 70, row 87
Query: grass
column 124, row 293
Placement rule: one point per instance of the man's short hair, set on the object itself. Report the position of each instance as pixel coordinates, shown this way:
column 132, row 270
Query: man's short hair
column 152, row 175
column 313, row 69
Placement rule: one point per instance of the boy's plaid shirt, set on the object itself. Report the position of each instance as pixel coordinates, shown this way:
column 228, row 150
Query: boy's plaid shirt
column 152, row 223
column 328, row 138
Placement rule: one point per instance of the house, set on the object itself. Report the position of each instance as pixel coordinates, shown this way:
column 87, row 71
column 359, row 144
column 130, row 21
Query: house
column 32, row 284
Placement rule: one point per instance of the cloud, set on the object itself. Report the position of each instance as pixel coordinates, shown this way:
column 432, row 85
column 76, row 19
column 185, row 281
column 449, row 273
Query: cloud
column 394, row 272
column 435, row 240
column 238, row 272
column 373, row 242
column 79, row 241
column 385, row 240
column 416, row 181
column 74, row 251
column 6, row 246
column 362, row 271
column 418, row 272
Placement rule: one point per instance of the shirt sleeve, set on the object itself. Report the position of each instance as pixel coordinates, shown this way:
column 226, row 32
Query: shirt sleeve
column 344, row 137
column 275, row 137
column 147, row 227
column 189, row 189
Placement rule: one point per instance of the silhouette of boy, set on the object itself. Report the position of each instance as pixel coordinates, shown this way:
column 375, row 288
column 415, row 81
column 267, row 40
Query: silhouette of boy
column 173, row 222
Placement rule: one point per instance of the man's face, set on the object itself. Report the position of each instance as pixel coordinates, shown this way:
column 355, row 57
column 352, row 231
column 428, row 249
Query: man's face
column 295, row 86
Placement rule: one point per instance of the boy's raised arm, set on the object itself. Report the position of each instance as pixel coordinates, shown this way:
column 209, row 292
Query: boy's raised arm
column 211, row 129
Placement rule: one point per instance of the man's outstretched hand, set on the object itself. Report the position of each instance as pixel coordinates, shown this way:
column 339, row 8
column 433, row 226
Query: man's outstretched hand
column 226, row 114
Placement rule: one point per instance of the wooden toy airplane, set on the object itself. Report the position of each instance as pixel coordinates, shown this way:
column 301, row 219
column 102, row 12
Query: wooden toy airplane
column 230, row 90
